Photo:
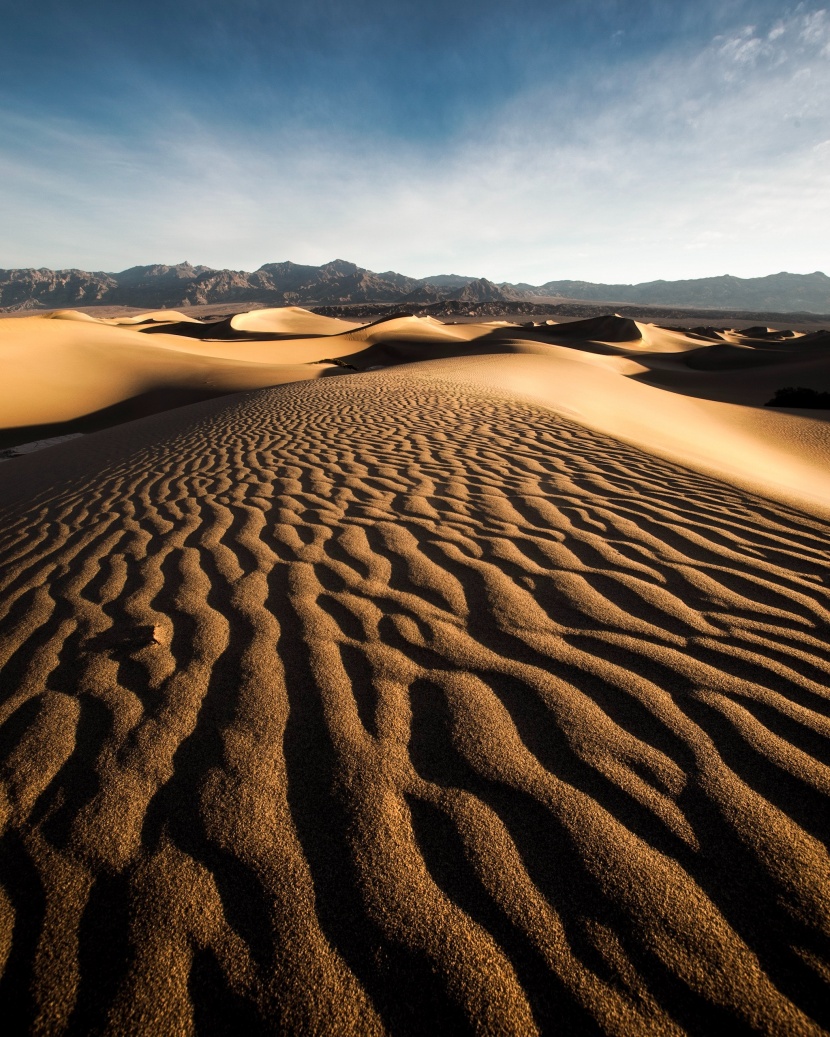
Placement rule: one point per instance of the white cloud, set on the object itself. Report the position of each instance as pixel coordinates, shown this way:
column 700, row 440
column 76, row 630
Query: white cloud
column 815, row 29
column 744, row 47
column 687, row 165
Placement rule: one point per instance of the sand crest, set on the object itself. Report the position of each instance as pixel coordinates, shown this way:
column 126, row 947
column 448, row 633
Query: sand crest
column 406, row 702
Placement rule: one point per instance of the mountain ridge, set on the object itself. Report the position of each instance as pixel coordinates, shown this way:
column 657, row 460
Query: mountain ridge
column 340, row 282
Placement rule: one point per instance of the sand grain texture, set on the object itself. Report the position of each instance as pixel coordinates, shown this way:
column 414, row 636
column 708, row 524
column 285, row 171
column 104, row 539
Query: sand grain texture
column 401, row 702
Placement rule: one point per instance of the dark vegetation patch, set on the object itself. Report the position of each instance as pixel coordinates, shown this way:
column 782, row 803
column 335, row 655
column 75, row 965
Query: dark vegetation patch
column 799, row 397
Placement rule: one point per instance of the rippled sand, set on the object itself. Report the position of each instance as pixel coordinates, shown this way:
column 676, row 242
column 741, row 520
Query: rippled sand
column 397, row 703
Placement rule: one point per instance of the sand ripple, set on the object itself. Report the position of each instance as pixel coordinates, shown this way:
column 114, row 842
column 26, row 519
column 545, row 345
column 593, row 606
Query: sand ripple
column 386, row 704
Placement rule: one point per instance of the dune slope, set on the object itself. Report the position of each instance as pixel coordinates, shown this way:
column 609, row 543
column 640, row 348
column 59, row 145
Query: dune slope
column 395, row 704
column 58, row 371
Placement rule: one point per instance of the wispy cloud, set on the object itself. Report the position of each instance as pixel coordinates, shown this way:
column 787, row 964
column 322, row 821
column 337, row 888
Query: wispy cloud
column 692, row 162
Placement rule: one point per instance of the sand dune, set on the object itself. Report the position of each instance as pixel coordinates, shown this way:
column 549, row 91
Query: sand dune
column 782, row 455
column 75, row 315
column 155, row 317
column 289, row 320
column 445, row 698
column 58, row 371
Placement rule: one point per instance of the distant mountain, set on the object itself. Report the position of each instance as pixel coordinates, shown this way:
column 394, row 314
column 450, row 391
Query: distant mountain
column 34, row 289
column 448, row 280
column 341, row 282
column 277, row 284
column 475, row 290
column 482, row 290
column 783, row 292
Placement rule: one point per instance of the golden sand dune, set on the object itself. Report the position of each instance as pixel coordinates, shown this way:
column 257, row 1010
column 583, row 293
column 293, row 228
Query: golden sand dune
column 154, row 317
column 289, row 320
column 767, row 451
column 76, row 315
column 57, row 371
column 445, row 698
column 149, row 317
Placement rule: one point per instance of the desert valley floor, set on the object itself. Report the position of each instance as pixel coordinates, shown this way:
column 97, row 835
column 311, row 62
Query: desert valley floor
column 413, row 678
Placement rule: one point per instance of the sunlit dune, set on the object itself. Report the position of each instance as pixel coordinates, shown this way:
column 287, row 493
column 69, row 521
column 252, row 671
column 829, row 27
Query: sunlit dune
column 784, row 455
column 661, row 389
column 73, row 315
column 154, row 317
column 411, row 678
column 57, row 371
column 288, row 320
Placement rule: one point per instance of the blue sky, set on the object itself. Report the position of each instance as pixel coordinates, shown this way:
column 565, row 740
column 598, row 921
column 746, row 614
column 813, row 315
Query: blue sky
column 595, row 139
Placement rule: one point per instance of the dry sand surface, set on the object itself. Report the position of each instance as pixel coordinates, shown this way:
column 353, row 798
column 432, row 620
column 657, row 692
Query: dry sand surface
column 480, row 687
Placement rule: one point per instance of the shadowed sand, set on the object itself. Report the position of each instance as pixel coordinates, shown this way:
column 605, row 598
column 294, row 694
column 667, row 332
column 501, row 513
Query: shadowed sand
column 403, row 702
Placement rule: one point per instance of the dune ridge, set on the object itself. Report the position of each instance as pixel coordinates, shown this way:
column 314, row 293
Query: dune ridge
column 398, row 703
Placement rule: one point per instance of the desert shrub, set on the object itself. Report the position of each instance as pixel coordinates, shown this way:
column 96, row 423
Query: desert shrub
column 799, row 397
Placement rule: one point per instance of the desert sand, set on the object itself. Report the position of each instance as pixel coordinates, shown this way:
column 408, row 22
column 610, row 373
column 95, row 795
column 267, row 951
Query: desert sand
column 478, row 686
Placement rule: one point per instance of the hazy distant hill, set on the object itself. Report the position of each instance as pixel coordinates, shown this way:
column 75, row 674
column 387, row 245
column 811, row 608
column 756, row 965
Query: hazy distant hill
column 341, row 282
column 448, row 280
column 474, row 290
column 803, row 292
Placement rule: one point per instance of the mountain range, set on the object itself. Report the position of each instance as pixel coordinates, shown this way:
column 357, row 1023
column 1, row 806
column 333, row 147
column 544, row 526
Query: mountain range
column 341, row 283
